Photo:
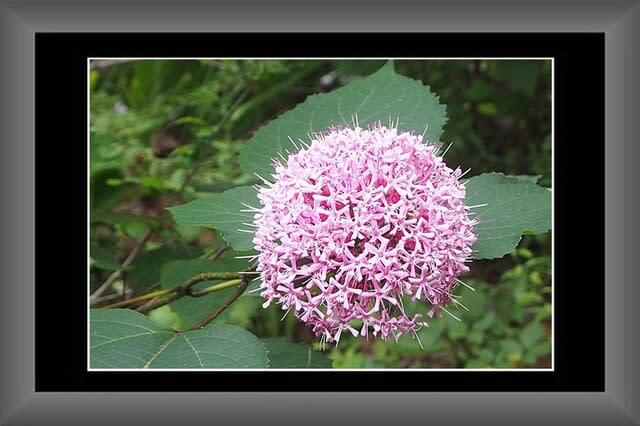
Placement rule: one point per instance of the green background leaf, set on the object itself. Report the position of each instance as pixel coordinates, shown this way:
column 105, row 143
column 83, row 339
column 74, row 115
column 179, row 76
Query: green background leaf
column 222, row 212
column 513, row 206
column 521, row 75
column 285, row 354
column 145, row 270
column 122, row 338
column 378, row 97
column 103, row 259
column 531, row 334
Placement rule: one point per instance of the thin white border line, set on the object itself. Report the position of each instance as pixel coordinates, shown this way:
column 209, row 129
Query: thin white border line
column 553, row 286
column 319, row 58
column 461, row 370
column 553, row 257
column 88, row 214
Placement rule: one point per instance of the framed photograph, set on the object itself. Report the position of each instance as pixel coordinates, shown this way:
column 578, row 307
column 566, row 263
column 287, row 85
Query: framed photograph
column 370, row 215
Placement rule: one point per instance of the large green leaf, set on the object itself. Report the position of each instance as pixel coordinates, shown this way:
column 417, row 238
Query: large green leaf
column 285, row 354
column 381, row 96
column 223, row 212
column 193, row 309
column 513, row 206
column 122, row 338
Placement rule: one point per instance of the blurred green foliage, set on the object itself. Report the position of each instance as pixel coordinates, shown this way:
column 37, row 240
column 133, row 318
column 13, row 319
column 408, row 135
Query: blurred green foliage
column 166, row 132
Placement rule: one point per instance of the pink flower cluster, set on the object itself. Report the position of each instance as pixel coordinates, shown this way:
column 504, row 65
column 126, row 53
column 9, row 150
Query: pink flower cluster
column 355, row 223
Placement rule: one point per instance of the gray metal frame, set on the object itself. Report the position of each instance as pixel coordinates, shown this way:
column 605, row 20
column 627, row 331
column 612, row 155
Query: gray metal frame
column 619, row 20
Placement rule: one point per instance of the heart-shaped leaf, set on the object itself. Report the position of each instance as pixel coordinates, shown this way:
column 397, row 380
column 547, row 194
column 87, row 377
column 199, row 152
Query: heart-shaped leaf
column 122, row 338
column 513, row 206
column 384, row 96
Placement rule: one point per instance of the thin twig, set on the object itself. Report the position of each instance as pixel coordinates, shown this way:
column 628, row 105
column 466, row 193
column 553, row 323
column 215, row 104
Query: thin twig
column 110, row 297
column 156, row 303
column 141, row 298
column 244, row 282
column 116, row 274
column 216, row 254
column 228, row 301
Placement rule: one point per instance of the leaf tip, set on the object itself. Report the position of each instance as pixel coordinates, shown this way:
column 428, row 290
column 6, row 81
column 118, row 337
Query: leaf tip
column 389, row 66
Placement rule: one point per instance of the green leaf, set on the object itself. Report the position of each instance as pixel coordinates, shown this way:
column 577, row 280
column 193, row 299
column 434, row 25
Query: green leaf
column 357, row 66
column 475, row 337
column 514, row 206
column 122, row 338
column 193, row 309
column 511, row 352
column 485, row 355
column 529, row 298
column 243, row 310
column 102, row 259
column 456, row 329
column 475, row 301
column 485, row 322
column 531, row 334
column 285, row 354
column 540, row 349
column 146, row 268
column 528, row 178
column 381, row 96
column 510, row 347
column 222, row 212
column 521, row 75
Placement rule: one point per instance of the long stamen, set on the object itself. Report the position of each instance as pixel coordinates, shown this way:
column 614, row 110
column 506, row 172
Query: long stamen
column 453, row 316
column 446, row 150
column 478, row 205
column 425, row 130
column 293, row 143
column 466, row 285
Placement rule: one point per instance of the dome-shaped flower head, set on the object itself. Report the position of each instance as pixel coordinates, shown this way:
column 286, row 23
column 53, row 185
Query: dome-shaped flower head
column 358, row 223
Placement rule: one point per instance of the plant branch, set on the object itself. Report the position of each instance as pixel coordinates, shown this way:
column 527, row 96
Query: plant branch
column 244, row 282
column 170, row 297
column 182, row 290
column 153, row 304
column 228, row 301
column 207, row 277
column 110, row 297
column 215, row 287
column 140, row 298
column 116, row 274
column 216, row 254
